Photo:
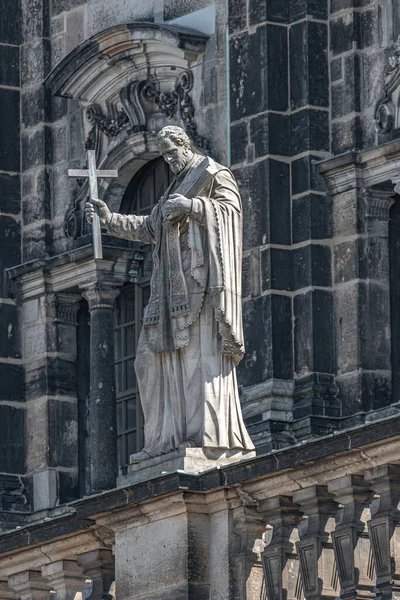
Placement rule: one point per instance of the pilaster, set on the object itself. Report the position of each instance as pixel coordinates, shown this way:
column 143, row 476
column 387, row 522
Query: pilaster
column 30, row 585
column 102, row 426
column 65, row 577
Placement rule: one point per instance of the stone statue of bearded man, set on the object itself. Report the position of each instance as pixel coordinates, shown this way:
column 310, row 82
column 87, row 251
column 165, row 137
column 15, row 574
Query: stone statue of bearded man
column 192, row 337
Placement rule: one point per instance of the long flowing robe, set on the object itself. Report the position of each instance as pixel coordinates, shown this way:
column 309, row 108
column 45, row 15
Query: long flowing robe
column 192, row 336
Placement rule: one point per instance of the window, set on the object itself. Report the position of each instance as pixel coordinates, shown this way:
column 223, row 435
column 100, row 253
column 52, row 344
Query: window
column 142, row 193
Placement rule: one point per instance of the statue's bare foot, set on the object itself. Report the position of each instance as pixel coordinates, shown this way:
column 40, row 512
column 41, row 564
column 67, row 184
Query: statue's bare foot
column 139, row 456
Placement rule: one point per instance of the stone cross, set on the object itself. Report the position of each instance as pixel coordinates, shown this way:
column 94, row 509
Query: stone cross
column 93, row 173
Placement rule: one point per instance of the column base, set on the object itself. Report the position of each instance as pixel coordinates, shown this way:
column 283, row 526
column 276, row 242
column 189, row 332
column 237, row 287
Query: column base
column 190, row 460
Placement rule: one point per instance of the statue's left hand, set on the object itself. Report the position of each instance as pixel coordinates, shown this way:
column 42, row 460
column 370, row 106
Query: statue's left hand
column 176, row 206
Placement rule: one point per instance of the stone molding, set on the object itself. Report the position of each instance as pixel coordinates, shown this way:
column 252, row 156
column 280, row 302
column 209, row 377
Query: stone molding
column 361, row 169
column 100, row 296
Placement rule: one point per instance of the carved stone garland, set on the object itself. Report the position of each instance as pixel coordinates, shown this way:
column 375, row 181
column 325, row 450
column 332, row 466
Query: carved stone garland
column 133, row 117
column 388, row 105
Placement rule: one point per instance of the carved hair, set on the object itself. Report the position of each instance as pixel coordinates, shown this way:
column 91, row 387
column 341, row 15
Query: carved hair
column 176, row 135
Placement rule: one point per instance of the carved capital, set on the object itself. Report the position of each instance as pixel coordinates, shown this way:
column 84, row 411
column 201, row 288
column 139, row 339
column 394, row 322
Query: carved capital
column 377, row 203
column 67, row 308
column 100, row 296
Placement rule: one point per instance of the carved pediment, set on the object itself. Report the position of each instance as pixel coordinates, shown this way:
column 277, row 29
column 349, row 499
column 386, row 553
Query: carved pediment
column 130, row 81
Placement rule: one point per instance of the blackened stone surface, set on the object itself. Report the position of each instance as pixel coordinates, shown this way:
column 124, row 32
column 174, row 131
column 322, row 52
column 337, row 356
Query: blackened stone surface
column 346, row 96
column 37, row 242
column 9, row 66
column 299, row 9
column 12, row 439
column 394, row 261
column 176, row 8
column 343, row 33
column 11, row 382
column 309, row 78
column 321, row 261
column 264, row 187
column 10, row 249
column 259, row 73
column 281, row 269
column 9, row 338
column 14, row 494
column 374, row 343
column 309, row 131
column 9, row 130
column 265, row 256
column 239, row 141
column 270, row 134
column 237, row 15
column 305, row 175
column 35, row 61
column 63, row 433
column 269, row 10
column 311, row 217
column 368, row 28
column 58, row 6
column 336, row 69
column 57, row 377
column 268, row 335
column 246, row 274
column 33, row 106
column 10, row 186
column 33, row 148
column 68, row 487
column 10, row 22
column 347, row 135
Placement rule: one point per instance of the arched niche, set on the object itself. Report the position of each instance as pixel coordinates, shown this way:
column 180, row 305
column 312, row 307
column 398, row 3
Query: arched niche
column 130, row 81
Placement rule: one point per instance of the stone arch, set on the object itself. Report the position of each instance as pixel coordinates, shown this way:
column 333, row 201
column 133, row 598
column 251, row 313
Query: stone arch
column 129, row 81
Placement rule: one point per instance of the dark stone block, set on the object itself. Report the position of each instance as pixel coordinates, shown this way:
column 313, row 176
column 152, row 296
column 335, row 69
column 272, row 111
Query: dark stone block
column 265, row 256
column 259, row 74
column 281, row 269
column 265, row 192
column 10, row 22
column 10, row 186
column 323, row 331
column 346, row 97
column 281, row 317
column 346, row 136
column 11, row 382
column 268, row 339
column 301, row 261
column 33, row 106
column 374, row 309
column 37, row 242
column 12, row 439
column 368, row 28
column 279, row 202
column 59, row 6
column 67, row 487
column 35, row 61
column 299, row 9
column 37, row 207
column 10, row 249
column 33, row 148
column 343, row 34
column 309, row 77
column 174, row 9
column 9, row 66
column 305, row 175
column 237, row 15
column 9, row 130
column 309, row 131
column 321, row 264
column 270, row 134
column 376, row 390
column 303, row 347
column 35, row 21
column 246, row 274
column 239, row 141
column 63, row 433
column 336, row 69
column 9, row 336
column 276, row 11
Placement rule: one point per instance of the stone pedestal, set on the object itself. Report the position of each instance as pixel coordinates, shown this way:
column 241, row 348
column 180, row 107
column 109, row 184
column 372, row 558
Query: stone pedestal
column 191, row 460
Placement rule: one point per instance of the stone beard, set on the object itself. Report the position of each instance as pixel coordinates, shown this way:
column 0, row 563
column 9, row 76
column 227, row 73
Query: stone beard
column 192, row 336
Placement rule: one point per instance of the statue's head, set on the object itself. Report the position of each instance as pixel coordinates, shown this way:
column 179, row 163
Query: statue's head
column 175, row 147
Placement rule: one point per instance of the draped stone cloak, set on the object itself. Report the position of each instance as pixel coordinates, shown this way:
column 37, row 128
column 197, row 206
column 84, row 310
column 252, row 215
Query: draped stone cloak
column 192, row 336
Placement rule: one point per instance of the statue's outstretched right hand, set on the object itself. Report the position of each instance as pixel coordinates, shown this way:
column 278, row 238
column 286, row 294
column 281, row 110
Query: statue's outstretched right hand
column 104, row 211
